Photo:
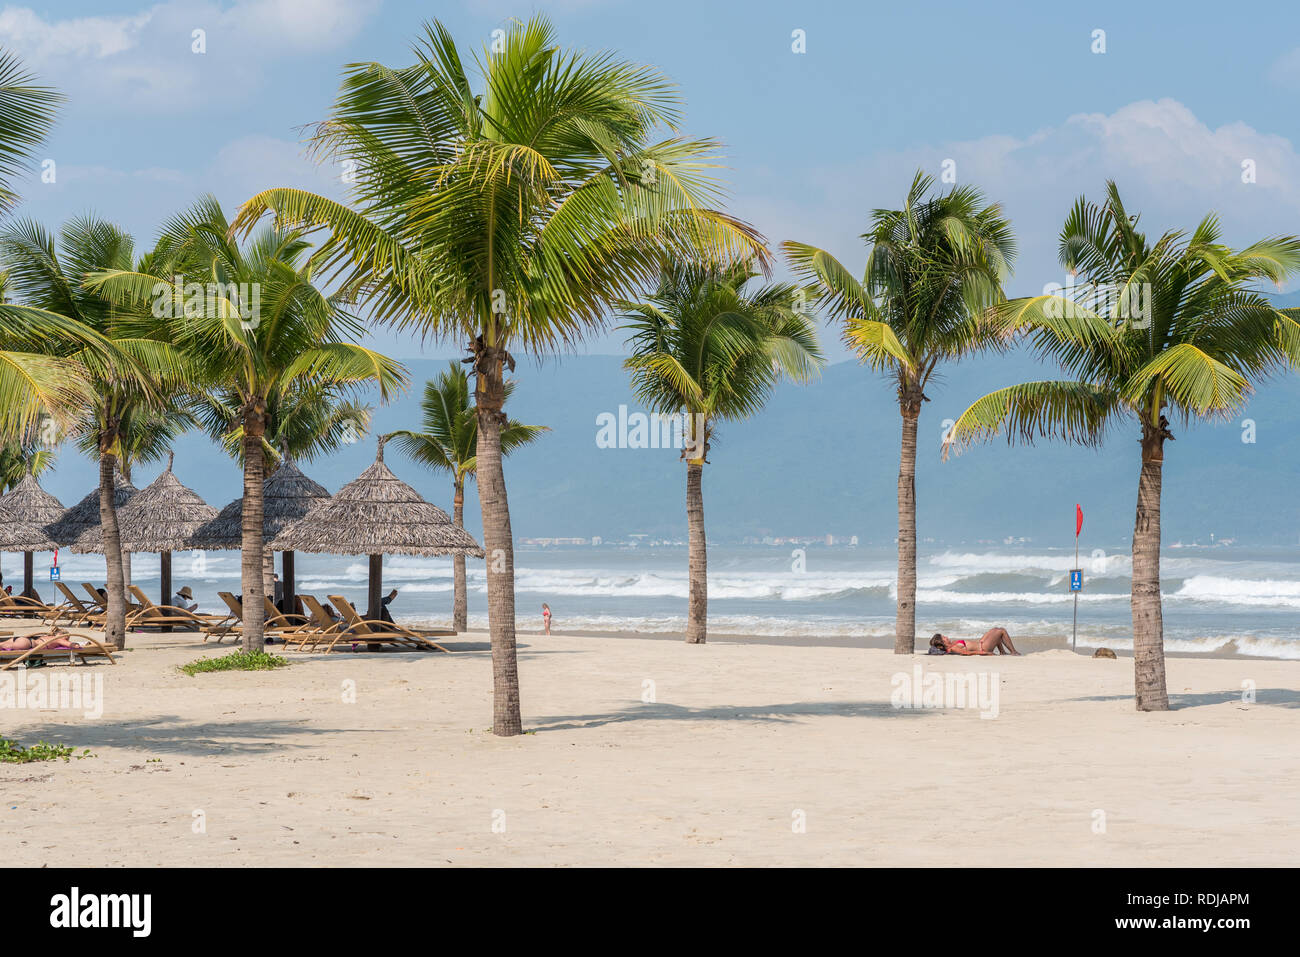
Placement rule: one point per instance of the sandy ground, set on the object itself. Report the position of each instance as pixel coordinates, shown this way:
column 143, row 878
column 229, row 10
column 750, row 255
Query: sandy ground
column 745, row 754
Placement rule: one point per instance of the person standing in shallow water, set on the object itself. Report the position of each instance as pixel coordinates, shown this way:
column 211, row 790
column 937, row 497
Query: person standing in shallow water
column 546, row 618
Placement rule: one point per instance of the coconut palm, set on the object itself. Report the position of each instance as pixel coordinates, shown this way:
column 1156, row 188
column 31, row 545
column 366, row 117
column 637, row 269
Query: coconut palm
column 708, row 346
column 509, row 217
column 1173, row 326
column 115, row 367
column 933, row 268
column 448, row 443
column 23, row 457
column 34, row 381
column 250, row 321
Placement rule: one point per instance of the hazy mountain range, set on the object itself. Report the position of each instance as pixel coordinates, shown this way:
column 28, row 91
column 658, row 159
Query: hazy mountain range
column 823, row 459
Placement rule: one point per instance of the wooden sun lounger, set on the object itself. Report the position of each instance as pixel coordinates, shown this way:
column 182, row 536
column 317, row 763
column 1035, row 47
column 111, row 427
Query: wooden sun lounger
column 358, row 630
column 100, row 605
column 322, row 627
column 150, row 615
column 276, row 623
column 95, row 649
column 74, row 610
column 18, row 606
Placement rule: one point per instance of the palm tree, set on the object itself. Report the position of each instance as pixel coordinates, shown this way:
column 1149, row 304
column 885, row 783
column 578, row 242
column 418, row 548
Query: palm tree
column 115, row 367
column 33, row 380
column 709, row 348
column 23, row 457
column 303, row 420
column 933, row 268
column 257, row 327
column 509, row 217
column 1173, row 326
column 449, row 443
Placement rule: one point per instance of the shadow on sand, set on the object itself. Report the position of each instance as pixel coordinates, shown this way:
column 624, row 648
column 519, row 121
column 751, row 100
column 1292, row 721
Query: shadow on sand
column 778, row 713
column 1264, row 697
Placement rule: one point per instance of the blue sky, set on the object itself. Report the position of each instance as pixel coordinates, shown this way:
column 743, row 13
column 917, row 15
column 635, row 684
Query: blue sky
column 1012, row 93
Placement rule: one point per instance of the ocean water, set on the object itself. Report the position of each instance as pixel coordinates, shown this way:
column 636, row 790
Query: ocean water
column 1220, row 599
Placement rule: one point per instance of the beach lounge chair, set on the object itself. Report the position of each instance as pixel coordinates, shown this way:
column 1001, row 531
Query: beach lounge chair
column 90, row 648
column 73, row 611
column 276, row 623
column 150, row 615
column 19, row 606
column 374, row 633
column 322, row 627
column 101, row 604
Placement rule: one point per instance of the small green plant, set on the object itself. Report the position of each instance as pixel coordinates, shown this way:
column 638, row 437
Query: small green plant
column 11, row 752
column 236, row 661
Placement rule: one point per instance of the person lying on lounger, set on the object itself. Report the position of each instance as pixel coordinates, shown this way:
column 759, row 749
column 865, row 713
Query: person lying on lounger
column 994, row 640
column 62, row 642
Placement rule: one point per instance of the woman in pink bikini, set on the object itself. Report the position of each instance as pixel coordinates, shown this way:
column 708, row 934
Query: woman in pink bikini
column 546, row 618
column 994, row 640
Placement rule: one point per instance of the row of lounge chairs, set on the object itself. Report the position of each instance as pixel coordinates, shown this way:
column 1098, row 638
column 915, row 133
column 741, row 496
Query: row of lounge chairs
column 315, row 631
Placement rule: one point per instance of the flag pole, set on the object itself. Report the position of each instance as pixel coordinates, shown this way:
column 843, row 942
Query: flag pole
column 1078, row 527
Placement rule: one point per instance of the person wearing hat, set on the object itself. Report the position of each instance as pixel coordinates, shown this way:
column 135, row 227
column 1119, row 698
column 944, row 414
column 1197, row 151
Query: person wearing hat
column 185, row 599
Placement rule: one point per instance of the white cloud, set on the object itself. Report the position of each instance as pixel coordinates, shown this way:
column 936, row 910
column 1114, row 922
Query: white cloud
column 1169, row 165
column 41, row 41
column 146, row 60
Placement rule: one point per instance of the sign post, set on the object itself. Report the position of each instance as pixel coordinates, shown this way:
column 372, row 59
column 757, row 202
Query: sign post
column 1076, row 574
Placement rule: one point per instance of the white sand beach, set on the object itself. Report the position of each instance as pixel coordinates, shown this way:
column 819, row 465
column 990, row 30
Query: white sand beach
column 739, row 745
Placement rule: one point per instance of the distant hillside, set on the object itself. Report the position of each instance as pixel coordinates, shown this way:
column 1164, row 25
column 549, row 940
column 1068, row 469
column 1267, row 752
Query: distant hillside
column 823, row 459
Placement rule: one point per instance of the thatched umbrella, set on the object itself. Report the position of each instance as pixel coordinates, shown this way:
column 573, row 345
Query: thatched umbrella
column 27, row 503
column 84, row 516
column 161, row 518
column 286, row 497
column 377, row 515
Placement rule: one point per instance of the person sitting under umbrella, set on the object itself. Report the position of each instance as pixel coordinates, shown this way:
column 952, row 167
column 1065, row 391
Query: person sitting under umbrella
column 185, row 599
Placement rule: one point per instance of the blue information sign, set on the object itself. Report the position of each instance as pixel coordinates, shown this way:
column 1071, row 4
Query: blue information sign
column 1076, row 579
column 54, row 573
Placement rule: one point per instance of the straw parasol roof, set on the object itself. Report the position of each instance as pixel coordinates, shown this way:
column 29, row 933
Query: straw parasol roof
column 22, row 537
column 84, row 516
column 28, row 502
column 376, row 514
column 286, row 497
column 160, row 518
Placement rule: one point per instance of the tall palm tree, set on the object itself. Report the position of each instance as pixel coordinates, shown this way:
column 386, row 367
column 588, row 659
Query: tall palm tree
column 710, row 347
column 448, row 443
column 933, row 268
column 509, row 217
column 116, row 367
column 1171, row 326
column 257, row 327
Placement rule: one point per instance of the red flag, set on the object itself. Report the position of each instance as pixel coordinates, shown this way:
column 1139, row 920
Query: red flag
column 1078, row 520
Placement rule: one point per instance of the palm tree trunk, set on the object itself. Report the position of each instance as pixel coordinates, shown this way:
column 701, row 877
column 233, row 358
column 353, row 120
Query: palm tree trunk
column 697, row 616
column 115, row 620
column 905, row 623
column 498, row 541
column 1148, row 623
column 459, row 602
column 253, row 547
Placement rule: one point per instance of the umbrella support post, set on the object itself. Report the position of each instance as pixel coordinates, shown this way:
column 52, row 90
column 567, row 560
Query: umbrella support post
column 289, row 606
column 165, row 575
column 376, row 582
column 29, row 590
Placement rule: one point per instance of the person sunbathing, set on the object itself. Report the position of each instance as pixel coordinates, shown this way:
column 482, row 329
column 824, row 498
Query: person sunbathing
column 994, row 640
column 62, row 642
